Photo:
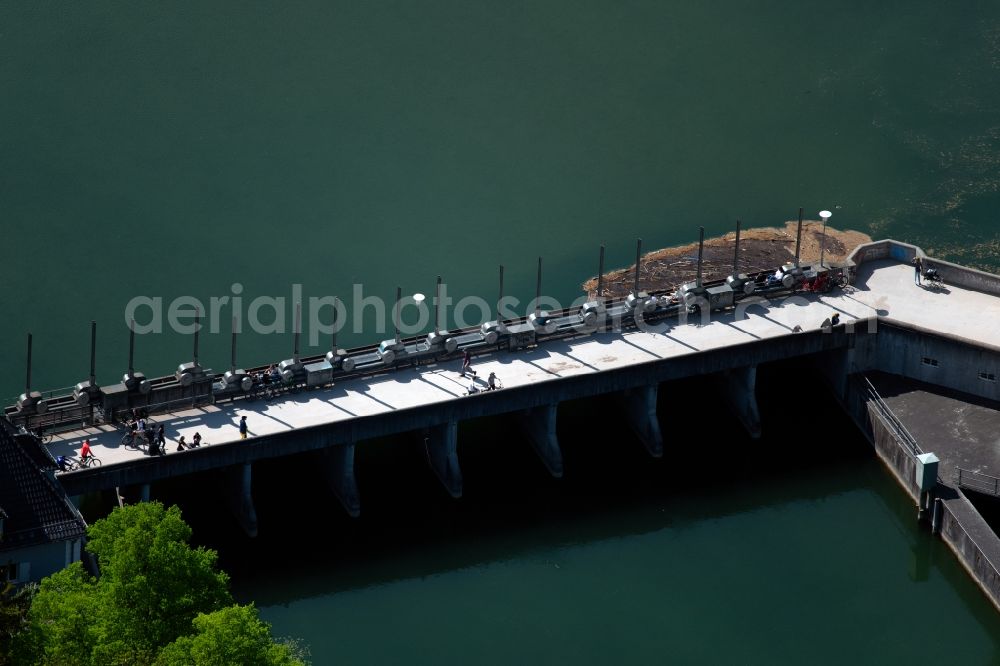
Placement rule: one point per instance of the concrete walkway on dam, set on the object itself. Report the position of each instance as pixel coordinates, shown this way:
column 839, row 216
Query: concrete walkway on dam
column 883, row 287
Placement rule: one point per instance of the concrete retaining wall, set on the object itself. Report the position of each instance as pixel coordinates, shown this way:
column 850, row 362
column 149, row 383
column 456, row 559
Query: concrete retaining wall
column 967, row 278
column 969, row 553
column 884, row 249
column 929, row 356
column 892, row 452
column 958, row 518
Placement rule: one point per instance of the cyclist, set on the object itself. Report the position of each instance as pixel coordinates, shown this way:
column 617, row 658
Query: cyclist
column 85, row 451
column 62, row 463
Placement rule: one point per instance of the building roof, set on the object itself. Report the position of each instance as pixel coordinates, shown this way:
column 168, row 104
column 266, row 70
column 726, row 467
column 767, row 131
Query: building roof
column 36, row 507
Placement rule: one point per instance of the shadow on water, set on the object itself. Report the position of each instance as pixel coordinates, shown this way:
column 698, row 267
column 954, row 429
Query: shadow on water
column 512, row 509
column 611, row 488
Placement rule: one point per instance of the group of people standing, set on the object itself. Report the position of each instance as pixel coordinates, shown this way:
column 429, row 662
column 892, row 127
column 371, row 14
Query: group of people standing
column 156, row 440
column 138, row 427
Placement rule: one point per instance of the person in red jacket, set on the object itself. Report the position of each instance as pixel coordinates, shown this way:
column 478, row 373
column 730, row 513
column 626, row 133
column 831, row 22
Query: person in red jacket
column 85, row 450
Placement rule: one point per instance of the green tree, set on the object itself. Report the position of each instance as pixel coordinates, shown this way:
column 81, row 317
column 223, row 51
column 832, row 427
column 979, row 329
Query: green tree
column 152, row 582
column 152, row 587
column 233, row 635
column 14, row 605
column 60, row 622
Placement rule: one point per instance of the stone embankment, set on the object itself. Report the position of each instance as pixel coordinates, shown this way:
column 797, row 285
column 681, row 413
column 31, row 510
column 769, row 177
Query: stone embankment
column 760, row 249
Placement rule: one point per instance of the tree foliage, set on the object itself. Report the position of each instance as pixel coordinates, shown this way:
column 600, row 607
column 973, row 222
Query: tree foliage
column 233, row 635
column 14, row 605
column 153, row 582
column 153, row 589
column 60, row 625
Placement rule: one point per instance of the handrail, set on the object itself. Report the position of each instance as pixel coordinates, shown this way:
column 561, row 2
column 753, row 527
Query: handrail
column 894, row 423
column 753, row 274
column 65, row 409
column 46, row 395
column 978, row 481
column 963, row 478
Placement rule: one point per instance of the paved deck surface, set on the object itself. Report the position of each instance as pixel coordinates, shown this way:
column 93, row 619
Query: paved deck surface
column 961, row 430
column 885, row 287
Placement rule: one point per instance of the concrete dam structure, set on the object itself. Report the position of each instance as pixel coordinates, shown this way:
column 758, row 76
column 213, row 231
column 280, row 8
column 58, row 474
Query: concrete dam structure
column 887, row 326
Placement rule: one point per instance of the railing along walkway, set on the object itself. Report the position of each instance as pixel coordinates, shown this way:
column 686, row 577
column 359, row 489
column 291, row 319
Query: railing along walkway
column 903, row 436
column 981, row 483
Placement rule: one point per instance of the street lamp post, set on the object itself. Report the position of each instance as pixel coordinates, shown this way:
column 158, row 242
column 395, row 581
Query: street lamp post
column 824, row 215
column 418, row 298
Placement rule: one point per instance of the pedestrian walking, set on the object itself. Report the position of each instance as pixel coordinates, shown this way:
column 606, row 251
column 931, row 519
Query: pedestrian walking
column 243, row 427
column 918, row 266
column 467, row 364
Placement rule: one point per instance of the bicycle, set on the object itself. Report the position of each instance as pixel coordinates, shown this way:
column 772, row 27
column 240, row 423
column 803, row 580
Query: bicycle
column 71, row 463
column 259, row 390
column 135, row 440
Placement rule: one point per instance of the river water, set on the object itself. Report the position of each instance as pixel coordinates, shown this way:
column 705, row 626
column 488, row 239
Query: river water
column 175, row 150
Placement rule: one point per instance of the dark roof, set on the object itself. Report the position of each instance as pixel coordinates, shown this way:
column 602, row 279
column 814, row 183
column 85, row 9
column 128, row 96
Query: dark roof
column 37, row 508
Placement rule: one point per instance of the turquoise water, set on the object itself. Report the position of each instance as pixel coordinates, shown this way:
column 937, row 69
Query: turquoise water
column 172, row 150
column 797, row 548
column 168, row 150
column 780, row 583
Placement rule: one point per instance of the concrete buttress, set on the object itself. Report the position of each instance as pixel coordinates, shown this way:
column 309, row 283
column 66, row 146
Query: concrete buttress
column 337, row 463
column 739, row 386
column 639, row 405
column 240, row 499
column 441, row 443
column 539, row 424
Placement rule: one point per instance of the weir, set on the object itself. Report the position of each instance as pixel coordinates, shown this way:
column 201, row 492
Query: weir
column 625, row 349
